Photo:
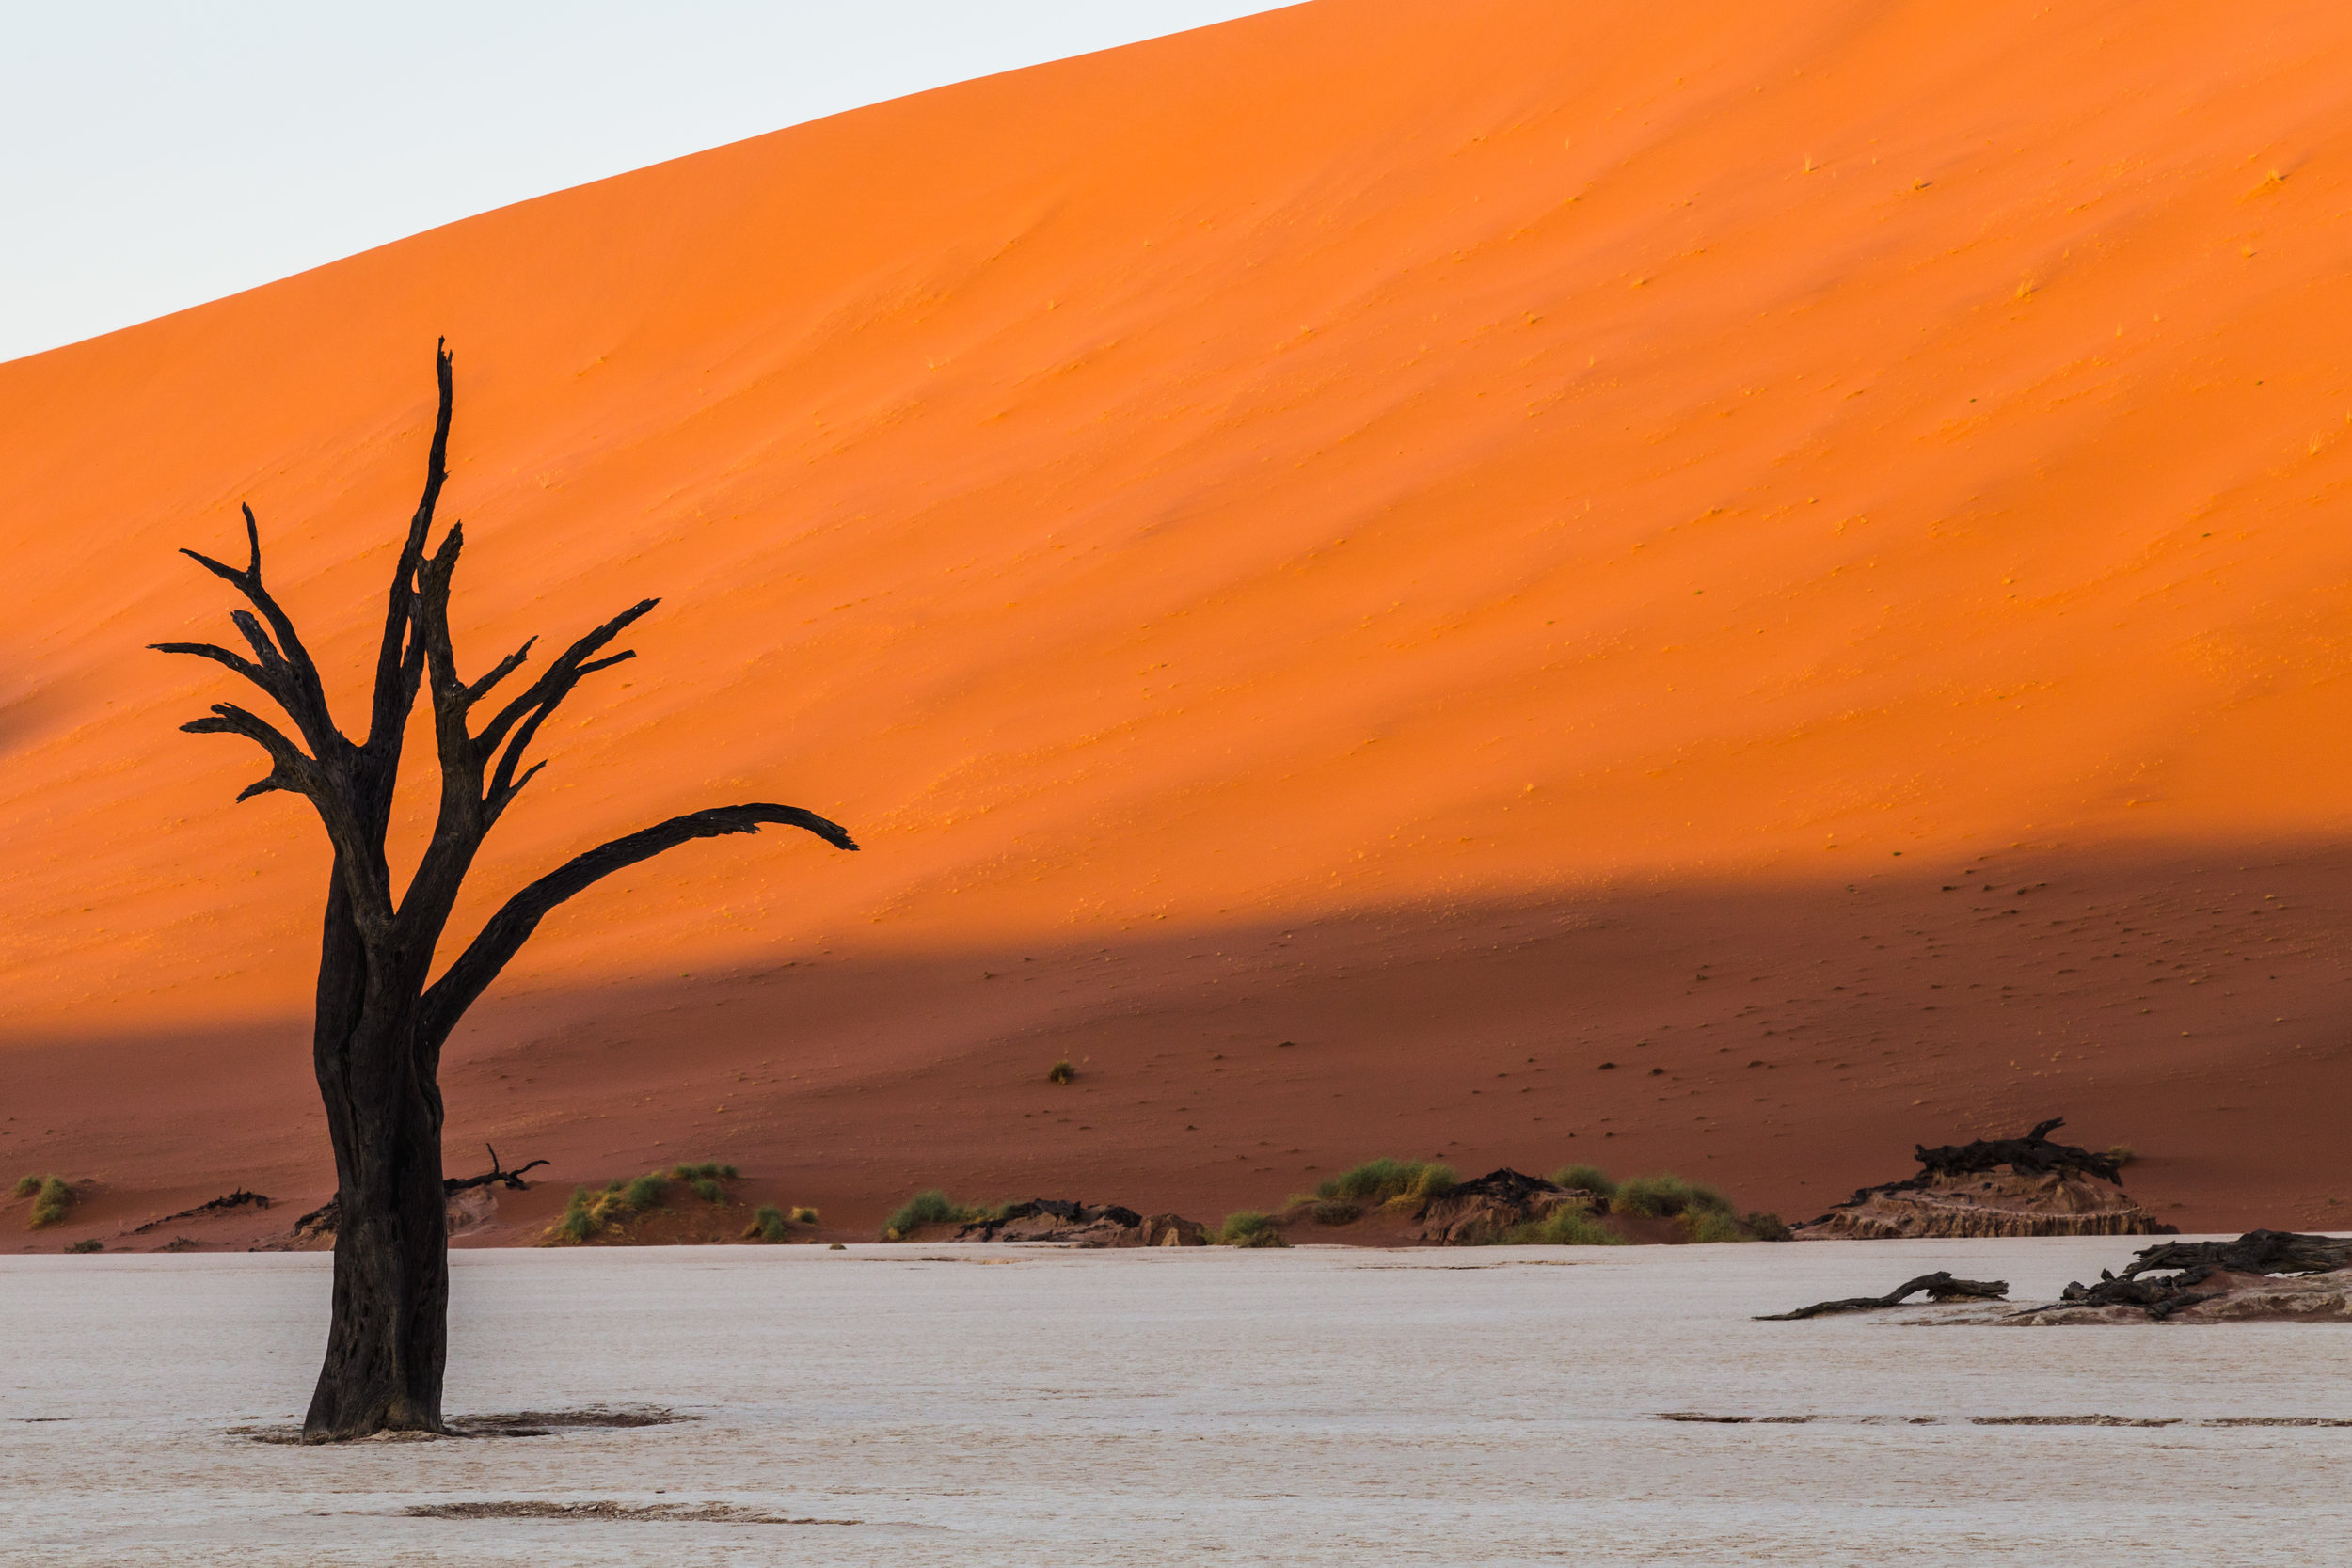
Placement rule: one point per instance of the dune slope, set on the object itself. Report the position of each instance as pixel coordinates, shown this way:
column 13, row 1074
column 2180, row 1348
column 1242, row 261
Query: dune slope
column 1355, row 486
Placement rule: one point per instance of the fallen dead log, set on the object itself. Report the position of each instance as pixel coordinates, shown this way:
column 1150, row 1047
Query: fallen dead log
column 512, row 1179
column 237, row 1199
column 323, row 1220
column 1939, row 1285
column 2257, row 1252
column 2034, row 1154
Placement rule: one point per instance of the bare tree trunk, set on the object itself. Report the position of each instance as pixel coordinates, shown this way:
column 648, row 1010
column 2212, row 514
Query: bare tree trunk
column 378, row 1028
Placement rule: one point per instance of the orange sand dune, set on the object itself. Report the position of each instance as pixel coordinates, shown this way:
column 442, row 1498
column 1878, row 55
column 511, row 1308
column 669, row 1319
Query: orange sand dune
column 1382, row 473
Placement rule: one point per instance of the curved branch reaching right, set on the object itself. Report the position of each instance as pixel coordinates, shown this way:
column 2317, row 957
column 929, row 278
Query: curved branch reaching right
column 446, row 1001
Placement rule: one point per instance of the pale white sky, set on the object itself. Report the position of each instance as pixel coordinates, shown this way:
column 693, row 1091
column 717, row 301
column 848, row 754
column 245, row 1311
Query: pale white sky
column 158, row 154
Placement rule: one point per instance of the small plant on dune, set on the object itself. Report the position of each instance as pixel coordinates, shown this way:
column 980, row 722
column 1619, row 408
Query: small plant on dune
column 1669, row 1197
column 1335, row 1211
column 2123, row 1154
column 1592, row 1178
column 88, row 1244
column 1565, row 1227
column 1713, row 1225
column 1249, row 1229
column 644, row 1192
column 596, row 1210
column 1386, row 1181
column 1765, row 1225
column 768, row 1222
column 927, row 1208
column 1060, row 1073
column 51, row 1198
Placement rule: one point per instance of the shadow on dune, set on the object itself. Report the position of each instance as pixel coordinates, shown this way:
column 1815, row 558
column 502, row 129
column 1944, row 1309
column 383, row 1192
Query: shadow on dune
column 1789, row 1042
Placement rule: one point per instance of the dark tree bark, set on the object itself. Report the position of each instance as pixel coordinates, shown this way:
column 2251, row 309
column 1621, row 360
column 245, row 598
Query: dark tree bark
column 380, row 1017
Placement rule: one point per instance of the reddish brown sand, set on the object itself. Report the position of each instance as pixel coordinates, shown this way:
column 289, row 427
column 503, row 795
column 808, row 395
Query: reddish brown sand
column 1477, row 540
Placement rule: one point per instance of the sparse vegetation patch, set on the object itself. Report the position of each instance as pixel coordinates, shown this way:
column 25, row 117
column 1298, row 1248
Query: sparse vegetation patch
column 51, row 1198
column 1249, row 1229
column 1060, row 1073
column 593, row 1211
column 931, row 1207
column 1591, row 1178
column 1385, row 1180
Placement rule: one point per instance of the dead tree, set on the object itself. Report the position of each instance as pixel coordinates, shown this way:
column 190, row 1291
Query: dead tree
column 381, row 1018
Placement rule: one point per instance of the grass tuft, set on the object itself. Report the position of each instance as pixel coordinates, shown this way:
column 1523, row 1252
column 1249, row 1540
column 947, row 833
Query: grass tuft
column 88, row 1244
column 1591, row 1178
column 51, row 1198
column 1385, row 1180
column 2123, row 1154
column 803, row 1216
column 927, row 1208
column 1669, row 1197
column 1249, row 1228
column 1060, row 1073
column 1565, row 1227
column 767, row 1224
column 644, row 1192
column 27, row 1185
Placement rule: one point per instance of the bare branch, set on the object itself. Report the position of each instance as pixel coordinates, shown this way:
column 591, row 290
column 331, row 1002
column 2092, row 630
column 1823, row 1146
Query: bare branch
column 446, row 1002
column 565, row 672
column 244, row 667
column 399, row 663
column 506, row 667
column 285, row 670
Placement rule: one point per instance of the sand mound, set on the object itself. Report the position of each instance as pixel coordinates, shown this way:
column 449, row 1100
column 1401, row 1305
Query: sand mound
column 2006, row 1203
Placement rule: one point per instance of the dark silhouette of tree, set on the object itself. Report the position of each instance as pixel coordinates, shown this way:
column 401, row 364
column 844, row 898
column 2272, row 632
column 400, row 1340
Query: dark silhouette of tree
column 379, row 1024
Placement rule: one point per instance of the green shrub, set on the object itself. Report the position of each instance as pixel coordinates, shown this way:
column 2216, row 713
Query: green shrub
column 767, row 1224
column 27, row 1185
column 803, row 1216
column 1060, row 1073
column 1669, row 1196
column 88, row 1244
column 51, row 1198
column 703, row 1173
column 2123, row 1154
column 1713, row 1225
column 644, row 1192
column 1249, row 1228
column 928, row 1207
column 1333, row 1211
column 1766, row 1225
column 1384, row 1180
column 1565, row 1227
column 708, row 1189
column 1591, row 1178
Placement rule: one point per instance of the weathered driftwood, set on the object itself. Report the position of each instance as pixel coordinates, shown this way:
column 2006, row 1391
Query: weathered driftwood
column 1057, row 1219
column 1487, row 1207
column 237, row 1199
column 322, row 1221
column 2257, row 1252
column 2034, row 1154
column 1939, row 1285
column 513, row 1180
